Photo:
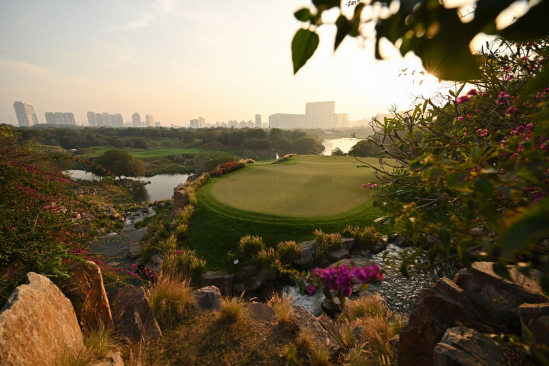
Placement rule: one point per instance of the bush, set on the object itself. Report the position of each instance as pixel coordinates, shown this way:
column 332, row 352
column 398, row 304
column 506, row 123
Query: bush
column 232, row 310
column 265, row 257
column 366, row 306
column 170, row 297
column 282, row 306
column 251, row 245
column 287, row 250
column 327, row 242
column 228, row 167
column 365, row 237
column 184, row 263
column 181, row 232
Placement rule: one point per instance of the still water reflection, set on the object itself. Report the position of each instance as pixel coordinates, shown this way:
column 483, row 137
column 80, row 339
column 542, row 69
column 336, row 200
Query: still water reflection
column 344, row 144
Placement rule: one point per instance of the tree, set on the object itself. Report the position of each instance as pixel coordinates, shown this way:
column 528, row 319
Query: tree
column 307, row 146
column 366, row 148
column 433, row 32
column 212, row 147
column 337, row 152
column 121, row 163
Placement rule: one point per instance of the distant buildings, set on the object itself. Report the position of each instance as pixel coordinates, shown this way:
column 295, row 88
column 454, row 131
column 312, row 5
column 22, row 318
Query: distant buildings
column 59, row 118
column 317, row 115
column 258, row 121
column 198, row 123
column 136, row 120
column 25, row 114
column 157, row 124
column 105, row 119
column 149, row 120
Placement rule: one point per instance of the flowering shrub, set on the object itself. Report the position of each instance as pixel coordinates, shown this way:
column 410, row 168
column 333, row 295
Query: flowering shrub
column 339, row 279
column 228, row 167
column 469, row 169
column 365, row 237
column 327, row 242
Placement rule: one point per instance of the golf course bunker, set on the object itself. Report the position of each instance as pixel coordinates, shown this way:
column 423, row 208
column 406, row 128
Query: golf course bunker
column 308, row 186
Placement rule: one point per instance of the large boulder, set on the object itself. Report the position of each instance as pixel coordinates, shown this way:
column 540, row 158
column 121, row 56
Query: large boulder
column 465, row 347
column 252, row 280
column 348, row 243
column 500, row 297
column 437, row 309
column 113, row 359
column 133, row 316
column 305, row 321
column 262, row 312
column 307, row 252
column 86, row 291
column 220, row 279
column 38, row 325
column 179, row 199
column 208, row 298
column 535, row 318
column 134, row 250
column 338, row 254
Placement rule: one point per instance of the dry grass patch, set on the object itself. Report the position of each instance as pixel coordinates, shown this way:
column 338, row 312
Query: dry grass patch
column 233, row 311
column 98, row 343
column 170, row 297
column 282, row 305
column 365, row 306
column 317, row 353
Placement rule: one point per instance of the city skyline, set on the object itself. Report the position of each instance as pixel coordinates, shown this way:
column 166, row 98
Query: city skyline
column 148, row 43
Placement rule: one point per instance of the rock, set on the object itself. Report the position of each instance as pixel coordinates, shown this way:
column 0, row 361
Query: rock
column 338, row 254
column 460, row 347
column 220, row 279
column 251, row 280
column 384, row 240
column 133, row 316
column 377, row 248
column 400, row 242
column 262, row 312
column 307, row 251
column 139, row 262
column 208, row 298
column 38, row 325
column 155, row 263
column 179, row 200
column 332, row 309
column 161, row 205
column 113, row 359
column 344, row 262
column 437, row 309
column 500, row 297
column 134, row 250
column 535, row 317
column 348, row 243
column 305, row 321
column 86, row 291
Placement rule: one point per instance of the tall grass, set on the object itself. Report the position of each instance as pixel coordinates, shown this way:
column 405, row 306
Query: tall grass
column 318, row 353
column 98, row 343
column 365, row 237
column 251, row 245
column 366, row 306
column 232, row 311
column 282, row 306
column 170, row 297
column 183, row 263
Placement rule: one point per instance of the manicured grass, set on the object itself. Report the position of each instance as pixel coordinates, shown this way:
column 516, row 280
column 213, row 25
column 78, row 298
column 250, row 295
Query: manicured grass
column 217, row 226
column 160, row 152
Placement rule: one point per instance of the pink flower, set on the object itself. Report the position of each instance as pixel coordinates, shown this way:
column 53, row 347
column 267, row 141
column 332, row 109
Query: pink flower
column 509, row 77
column 484, row 94
column 460, row 118
column 463, row 99
column 469, row 115
column 311, row 289
column 472, row 92
column 465, row 134
column 477, row 110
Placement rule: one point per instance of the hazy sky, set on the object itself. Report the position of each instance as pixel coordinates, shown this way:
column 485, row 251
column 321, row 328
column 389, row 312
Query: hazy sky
column 178, row 60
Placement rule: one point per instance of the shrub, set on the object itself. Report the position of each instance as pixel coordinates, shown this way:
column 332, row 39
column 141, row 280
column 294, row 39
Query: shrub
column 282, row 306
column 265, row 257
column 287, row 250
column 170, row 297
column 232, row 310
column 365, row 306
column 98, row 343
column 181, row 232
column 251, row 245
column 228, row 167
column 184, row 263
column 327, row 242
column 184, row 216
column 365, row 237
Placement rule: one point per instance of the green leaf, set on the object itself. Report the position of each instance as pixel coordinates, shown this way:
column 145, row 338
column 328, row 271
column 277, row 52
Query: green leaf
column 484, row 187
column 326, row 4
column 501, row 270
column 303, row 15
column 364, row 286
column 304, row 46
column 343, row 29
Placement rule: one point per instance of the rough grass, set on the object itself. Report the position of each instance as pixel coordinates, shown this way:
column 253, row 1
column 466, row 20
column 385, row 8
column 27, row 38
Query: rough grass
column 282, row 306
column 233, row 311
column 98, row 343
column 216, row 228
column 366, row 306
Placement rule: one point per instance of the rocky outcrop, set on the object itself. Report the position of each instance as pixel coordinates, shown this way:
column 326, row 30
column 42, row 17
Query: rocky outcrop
column 133, row 316
column 262, row 312
column 465, row 347
column 208, row 298
column 155, row 263
column 535, row 318
column 179, row 199
column 220, row 279
column 251, row 278
column 86, row 291
column 307, row 251
column 348, row 243
column 338, row 254
column 500, row 297
column 305, row 321
column 437, row 309
column 38, row 325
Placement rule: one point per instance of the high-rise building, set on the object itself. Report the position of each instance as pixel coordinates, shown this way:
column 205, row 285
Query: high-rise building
column 342, row 120
column 60, row 118
column 91, row 119
column 149, row 120
column 258, row 121
column 119, row 121
column 286, row 121
column 320, row 115
column 25, row 114
column 136, row 120
column 157, row 124
column 198, row 123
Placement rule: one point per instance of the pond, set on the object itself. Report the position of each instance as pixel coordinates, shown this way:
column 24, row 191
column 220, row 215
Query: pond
column 160, row 188
column 344, row 144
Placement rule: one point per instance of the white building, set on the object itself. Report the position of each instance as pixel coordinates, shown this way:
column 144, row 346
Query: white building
column 286, row 121
column 60, row 118
column 198, row 123
column 136, row 120
column 320, row 115
column 149, row 120
column 343, row 120
column 258, row 121
column 25, row 114
column 118, row 120
column 157, row 124
column 91, row 119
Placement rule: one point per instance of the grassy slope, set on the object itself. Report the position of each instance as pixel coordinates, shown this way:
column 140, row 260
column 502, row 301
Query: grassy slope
column 216, row 227
column 160, row 152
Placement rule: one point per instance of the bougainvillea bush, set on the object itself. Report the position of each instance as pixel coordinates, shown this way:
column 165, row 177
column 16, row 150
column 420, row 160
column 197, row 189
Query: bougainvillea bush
column 469, row 172
column 36, row 231
column 228, row 167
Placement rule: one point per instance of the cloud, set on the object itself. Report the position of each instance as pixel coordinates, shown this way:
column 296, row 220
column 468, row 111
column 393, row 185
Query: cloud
column 158, row 11
column 20, row 67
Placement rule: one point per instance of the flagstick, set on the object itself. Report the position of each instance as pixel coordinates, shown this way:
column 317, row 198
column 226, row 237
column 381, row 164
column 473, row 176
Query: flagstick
column 277, row 174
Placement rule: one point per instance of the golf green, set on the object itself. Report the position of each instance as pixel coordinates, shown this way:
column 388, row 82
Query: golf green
column 307, row 186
